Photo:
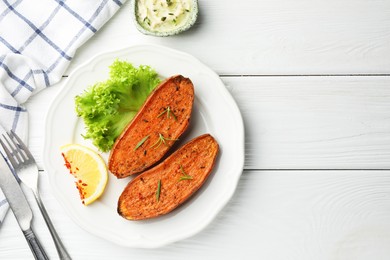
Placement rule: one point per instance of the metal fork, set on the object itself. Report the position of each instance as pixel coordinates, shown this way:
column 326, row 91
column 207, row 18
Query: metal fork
column 26, row 169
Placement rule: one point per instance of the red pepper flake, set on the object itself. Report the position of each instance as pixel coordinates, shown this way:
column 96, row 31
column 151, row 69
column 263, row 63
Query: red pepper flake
column 79, row 183
column 81, row 191
column 67, row 163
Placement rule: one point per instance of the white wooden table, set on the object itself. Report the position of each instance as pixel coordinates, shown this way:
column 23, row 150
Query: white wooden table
column 312, row 80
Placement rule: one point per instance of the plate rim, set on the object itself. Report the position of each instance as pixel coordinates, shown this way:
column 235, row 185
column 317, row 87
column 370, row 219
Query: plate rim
column 207, row 218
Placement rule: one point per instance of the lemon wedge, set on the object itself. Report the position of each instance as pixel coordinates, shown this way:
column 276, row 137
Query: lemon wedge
column 88, row 168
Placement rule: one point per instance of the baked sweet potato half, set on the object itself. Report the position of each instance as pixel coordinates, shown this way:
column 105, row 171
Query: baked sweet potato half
column 164, row 116
column 164, row 187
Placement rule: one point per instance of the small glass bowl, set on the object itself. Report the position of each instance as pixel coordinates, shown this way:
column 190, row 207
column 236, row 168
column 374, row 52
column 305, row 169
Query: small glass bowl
column 191, row 21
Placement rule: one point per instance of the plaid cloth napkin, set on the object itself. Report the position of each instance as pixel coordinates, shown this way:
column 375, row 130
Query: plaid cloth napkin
column 38, row 39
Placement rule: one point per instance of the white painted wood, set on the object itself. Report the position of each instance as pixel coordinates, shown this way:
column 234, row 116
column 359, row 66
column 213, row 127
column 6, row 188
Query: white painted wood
column 271, row 36
column 315, row 122
column 300, row 215
column 295, row 122
column 291, row 123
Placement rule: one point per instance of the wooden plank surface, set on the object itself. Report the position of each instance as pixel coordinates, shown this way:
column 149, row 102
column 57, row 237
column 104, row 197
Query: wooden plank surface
column 276, row 37
column 295, row 122
column 274, row 215
column 315, row 122
column 304, row 130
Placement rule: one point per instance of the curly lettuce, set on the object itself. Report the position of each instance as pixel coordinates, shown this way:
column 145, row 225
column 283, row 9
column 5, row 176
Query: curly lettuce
column 107, row 107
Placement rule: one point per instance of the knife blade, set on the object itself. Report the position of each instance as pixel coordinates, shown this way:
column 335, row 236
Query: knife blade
column 20, row 207
column 15, row 196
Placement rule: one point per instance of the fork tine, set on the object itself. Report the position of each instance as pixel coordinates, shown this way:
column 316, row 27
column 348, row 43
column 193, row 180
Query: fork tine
column 19, row 149
column 21, row 145
column 8, row 152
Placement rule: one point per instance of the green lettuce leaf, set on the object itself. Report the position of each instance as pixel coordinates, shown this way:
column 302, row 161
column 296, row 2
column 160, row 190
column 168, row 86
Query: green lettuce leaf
column 107, row 107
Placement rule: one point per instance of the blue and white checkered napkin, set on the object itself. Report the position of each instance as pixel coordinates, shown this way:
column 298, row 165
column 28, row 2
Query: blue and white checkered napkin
column 38, row 39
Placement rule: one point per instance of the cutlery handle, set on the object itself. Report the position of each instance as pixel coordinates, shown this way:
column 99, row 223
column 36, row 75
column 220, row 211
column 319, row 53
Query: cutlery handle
column 57, row 241
column 34, row 245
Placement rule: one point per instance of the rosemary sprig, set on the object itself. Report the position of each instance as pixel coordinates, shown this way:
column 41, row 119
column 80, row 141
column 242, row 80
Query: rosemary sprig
column 141, row 142
column 169, row 112
column 158, row 191
column 161, row 140
column 185, row 175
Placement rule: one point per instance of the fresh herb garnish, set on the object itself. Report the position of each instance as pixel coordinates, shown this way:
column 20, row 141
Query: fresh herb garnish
column 169, row 112
column 141, row 142
column 185, row 175
column 158, row 191
column 161, row 140
column 163, row 18
column 169, row 2
column 147, row 20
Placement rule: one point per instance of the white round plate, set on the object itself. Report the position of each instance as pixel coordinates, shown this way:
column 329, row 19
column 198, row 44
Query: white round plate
column 214, row 112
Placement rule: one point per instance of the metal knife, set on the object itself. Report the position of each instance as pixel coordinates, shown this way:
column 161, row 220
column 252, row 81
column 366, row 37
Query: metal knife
column 20, row 207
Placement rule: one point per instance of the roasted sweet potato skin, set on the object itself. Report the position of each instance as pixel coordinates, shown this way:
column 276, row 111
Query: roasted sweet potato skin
column 143, row 198
column 164, row 116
